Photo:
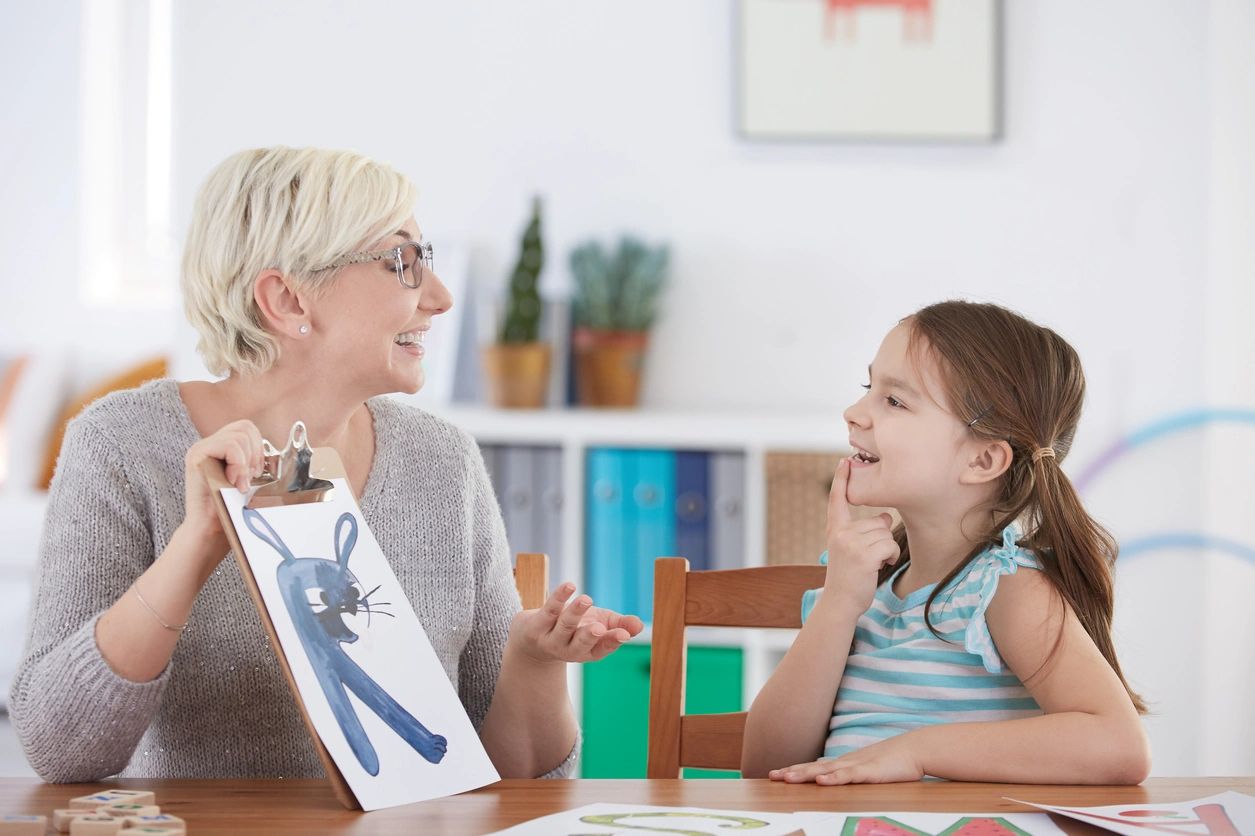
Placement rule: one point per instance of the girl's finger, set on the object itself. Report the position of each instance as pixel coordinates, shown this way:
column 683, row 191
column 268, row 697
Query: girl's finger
column 844, row 775
column 838, row 504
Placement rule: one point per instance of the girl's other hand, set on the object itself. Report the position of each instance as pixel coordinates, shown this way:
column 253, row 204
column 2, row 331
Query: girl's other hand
column 857, row 549
column 577, row 633
column 885, row 762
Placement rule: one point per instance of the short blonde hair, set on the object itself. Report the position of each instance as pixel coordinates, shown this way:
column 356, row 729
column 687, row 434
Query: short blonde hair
column 290, row 209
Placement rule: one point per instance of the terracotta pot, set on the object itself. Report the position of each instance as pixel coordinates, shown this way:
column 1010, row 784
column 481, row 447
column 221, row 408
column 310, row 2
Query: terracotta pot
column 518, row 374
column 608, row 366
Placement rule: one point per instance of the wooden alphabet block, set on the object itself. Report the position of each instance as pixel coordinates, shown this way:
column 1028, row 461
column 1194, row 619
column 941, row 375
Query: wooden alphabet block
column 91, row 802
column 95, row 825
column 162, row 820
column 122, row 809
column 19, row 825
column 150, row 830
column 61, row 818
column 134, row 796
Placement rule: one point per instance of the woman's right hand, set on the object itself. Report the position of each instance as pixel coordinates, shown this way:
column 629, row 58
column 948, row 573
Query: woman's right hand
column 857, row 549
column 239, row 446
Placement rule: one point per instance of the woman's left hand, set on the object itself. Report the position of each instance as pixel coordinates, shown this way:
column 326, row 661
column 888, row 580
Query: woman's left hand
column 576, row 633
column 880, row 763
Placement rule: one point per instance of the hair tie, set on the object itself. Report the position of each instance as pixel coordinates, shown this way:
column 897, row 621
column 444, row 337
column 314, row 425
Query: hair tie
column 1043, row 453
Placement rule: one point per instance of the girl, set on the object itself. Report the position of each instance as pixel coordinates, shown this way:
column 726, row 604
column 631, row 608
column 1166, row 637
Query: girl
column 958, row 644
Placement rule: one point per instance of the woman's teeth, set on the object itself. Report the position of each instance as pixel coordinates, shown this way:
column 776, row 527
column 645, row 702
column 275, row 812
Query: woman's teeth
column 410, row 338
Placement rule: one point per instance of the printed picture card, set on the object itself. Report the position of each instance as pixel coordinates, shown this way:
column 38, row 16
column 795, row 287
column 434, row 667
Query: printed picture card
column 370, row 680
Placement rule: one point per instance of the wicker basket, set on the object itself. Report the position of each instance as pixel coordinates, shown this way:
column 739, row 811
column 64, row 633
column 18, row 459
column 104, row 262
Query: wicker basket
column 797, row 505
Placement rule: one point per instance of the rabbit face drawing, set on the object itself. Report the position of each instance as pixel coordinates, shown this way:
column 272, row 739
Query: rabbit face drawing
column 317, row 594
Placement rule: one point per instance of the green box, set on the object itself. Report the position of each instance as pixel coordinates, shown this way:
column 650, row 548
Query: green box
column 616, row 706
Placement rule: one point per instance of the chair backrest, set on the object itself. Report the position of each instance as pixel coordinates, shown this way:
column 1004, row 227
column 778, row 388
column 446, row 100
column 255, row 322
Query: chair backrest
column 531, row 576
column 764, row 596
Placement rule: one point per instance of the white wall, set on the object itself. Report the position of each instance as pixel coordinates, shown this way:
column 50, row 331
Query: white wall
column 791, row 260
column 47, row 262
column 1228, row 732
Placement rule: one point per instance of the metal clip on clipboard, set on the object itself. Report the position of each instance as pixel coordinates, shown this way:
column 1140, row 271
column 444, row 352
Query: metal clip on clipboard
column 286, row 477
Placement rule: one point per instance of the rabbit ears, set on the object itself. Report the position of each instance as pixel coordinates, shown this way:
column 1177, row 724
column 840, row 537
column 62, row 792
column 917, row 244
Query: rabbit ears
column 261, row 527
column 345, row 540
column 345, row 536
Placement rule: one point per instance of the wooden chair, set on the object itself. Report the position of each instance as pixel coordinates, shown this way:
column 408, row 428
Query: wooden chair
column 765, row 596
column 531, row 576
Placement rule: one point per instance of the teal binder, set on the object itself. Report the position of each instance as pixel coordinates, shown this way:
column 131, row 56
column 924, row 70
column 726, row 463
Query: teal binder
column 605, row 530
column 651, row 518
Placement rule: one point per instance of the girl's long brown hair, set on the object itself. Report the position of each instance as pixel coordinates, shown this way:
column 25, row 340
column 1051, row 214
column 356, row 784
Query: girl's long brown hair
column 1016, row 381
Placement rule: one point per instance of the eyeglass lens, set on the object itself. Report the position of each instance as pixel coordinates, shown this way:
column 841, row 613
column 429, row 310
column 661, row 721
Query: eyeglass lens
column 411, row 258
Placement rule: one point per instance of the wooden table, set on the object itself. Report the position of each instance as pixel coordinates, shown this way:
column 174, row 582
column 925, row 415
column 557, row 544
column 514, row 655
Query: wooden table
column 307, row 807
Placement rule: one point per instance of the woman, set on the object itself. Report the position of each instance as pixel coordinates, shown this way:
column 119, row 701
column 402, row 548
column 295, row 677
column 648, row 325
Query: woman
column 309, row 283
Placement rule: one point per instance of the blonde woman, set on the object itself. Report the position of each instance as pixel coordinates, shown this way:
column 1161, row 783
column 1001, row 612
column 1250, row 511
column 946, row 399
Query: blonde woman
column 311, row 287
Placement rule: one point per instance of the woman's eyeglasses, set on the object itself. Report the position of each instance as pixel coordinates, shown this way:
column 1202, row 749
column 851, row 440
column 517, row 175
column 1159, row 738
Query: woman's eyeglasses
column 408, row 260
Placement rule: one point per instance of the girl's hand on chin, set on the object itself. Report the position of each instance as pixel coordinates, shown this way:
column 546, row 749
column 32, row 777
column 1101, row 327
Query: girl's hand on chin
column 857, row 549
column 576, row 633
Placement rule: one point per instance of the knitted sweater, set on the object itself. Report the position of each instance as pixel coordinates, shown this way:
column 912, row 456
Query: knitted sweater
column 221, row 708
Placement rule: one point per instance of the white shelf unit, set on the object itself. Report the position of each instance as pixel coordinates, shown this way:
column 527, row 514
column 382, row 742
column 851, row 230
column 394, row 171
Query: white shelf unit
column 575, row 431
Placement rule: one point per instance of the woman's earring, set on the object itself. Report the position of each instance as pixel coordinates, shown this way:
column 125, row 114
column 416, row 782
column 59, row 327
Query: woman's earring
column 304, row 329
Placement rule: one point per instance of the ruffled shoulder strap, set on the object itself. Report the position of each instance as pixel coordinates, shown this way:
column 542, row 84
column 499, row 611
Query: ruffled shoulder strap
column 986, row 569
column 811, row 596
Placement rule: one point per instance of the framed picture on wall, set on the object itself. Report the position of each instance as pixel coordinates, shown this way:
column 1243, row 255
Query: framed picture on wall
column 914, row 70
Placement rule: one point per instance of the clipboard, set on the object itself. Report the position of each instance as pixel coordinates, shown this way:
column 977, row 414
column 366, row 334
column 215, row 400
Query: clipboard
column 296, row 475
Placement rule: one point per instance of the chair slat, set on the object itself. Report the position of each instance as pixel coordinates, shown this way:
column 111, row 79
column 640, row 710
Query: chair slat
column 712, row 741
column 531, row 577
column 763, row 596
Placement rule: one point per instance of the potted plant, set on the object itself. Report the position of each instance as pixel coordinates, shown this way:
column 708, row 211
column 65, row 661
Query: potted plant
column 615, row 304
column 517, row 365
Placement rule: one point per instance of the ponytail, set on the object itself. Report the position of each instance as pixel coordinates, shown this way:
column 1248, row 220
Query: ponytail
column 1077, row 555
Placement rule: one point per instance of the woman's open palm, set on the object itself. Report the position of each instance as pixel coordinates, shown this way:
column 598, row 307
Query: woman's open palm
column 578, row 632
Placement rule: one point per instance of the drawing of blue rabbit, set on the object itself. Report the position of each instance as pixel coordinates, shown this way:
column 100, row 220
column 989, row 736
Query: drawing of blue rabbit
column 322, row 631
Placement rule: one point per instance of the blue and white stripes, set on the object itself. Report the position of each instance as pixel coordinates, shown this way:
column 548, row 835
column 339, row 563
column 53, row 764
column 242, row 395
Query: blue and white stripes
column 901, row 676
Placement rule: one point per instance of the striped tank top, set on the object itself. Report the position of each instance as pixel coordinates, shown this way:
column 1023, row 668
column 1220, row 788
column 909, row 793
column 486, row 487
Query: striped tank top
column 901, row 676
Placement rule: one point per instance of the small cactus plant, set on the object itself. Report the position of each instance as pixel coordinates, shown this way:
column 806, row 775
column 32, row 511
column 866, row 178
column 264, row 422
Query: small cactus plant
column 522, row 314
column 618, row 292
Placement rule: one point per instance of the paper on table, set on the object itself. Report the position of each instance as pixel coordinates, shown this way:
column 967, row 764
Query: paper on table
column 945, row 824
column 596, row 819
column 366, row 671
column 1227, row 814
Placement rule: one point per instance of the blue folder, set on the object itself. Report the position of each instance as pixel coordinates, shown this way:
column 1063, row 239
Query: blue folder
column 692, row 508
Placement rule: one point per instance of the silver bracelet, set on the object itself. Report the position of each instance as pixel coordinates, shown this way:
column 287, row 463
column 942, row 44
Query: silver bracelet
column 177, row 628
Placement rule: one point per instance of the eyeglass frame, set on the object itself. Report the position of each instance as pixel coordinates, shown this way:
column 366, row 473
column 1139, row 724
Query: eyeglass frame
column 422, row 255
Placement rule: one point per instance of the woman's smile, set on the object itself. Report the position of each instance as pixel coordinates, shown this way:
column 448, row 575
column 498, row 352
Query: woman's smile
column 411, row 342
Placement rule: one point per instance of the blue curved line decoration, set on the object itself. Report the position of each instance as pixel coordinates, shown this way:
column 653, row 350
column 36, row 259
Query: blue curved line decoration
column 1186, row 540
column 1165, row 426
column 1179, row 422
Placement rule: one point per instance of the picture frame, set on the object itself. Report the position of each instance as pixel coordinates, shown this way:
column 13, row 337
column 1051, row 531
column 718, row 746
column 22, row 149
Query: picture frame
column 869, row 70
